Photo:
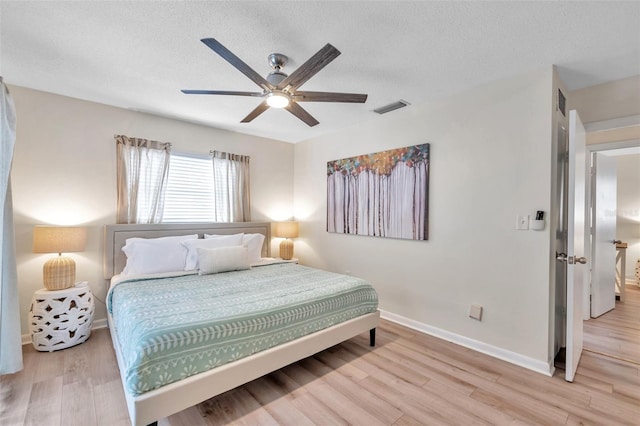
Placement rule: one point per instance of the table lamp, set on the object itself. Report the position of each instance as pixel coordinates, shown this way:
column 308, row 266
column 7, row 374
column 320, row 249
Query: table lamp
column 59, row 272
column 286, row 230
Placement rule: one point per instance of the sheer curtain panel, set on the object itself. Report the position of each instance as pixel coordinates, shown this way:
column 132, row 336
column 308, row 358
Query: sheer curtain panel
column 143, row 168
column 231, row 187
column 10, row 340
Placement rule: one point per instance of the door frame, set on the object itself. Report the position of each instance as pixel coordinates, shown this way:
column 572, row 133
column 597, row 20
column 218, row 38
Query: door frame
column 596, row 126
column 559, row 311
column 601, row 147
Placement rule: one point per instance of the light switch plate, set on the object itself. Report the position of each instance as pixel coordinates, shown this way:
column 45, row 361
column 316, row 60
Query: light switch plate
column 522, row 223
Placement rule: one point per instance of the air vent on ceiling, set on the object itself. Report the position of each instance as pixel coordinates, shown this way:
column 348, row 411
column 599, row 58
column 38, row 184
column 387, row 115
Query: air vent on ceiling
column 391, row 107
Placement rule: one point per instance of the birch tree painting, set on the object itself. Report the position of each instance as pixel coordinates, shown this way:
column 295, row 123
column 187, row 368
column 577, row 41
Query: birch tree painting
column 384, row 194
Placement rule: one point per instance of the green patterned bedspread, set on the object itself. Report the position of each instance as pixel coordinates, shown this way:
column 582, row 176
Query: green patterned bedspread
column 172, row 328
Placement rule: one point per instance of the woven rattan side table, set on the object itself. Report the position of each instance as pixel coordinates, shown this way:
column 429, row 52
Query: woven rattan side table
column 59, row 319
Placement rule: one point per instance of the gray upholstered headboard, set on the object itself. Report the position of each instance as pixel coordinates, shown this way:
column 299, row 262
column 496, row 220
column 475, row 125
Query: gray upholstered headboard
column 115, row 237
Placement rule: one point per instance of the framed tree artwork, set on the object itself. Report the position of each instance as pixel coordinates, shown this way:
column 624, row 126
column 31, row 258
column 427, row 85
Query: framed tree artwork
column 384, row 194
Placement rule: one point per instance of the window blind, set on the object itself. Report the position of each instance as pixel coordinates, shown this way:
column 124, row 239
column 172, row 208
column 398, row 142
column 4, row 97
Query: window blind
column 190, row 194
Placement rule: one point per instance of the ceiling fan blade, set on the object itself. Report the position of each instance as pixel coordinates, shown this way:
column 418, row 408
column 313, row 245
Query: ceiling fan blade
column 237, row 62
column 302, row 114
column 256, row 112
column 220, row 92
column 302, row 96
column 307, row 70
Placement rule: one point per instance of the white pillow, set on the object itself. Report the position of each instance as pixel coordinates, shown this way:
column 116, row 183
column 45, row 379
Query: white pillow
column 221, row 241
column 253, row 243
column 223, row 259
column 213, row 236
column 154, row 255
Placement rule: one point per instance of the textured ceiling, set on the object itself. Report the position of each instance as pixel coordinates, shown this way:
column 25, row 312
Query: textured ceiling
column 139, row 54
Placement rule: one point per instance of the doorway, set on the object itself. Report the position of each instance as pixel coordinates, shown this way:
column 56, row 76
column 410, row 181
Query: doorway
column 616, row 334
column 563, row 305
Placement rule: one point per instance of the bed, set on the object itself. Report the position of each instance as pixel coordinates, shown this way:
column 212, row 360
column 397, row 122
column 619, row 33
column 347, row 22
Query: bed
column 148, row 397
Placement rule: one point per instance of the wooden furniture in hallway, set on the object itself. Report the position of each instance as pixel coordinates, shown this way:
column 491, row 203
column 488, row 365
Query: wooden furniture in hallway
column 621, row 269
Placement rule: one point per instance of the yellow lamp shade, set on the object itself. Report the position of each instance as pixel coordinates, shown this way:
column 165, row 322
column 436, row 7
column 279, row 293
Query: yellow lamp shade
column 59, row 239
column 287, row 229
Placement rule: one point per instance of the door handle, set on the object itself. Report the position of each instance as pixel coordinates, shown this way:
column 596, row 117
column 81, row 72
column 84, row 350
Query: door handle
column 573, row 260
column 617, row 242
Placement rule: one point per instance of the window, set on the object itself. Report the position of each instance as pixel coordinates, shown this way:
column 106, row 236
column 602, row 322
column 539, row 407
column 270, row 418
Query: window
column 155, row 185
column 189, row 195
column 205, row 189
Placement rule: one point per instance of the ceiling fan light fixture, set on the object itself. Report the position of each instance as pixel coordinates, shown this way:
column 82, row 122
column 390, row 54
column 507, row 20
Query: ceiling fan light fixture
column 277, row 100
column 280, row 90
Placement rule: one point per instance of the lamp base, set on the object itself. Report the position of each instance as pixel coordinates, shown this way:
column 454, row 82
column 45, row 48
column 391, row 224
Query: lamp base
column 286, row 249
column 59, row 273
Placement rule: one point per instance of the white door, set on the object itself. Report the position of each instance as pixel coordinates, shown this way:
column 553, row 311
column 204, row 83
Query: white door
column 576, row 268
column 603, row 265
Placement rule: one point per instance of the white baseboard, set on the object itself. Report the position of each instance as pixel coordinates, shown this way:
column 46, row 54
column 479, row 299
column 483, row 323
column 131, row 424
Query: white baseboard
column 523, row 361
column 100, row 323
column 512, row 357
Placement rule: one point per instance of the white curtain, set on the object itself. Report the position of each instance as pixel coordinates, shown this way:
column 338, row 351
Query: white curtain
column 231, row 186
column 143, row 168
column 10, row 341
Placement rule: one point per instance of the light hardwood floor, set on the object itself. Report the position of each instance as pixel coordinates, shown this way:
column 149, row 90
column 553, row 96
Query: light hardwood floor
column 407, row 379
column 617, row 333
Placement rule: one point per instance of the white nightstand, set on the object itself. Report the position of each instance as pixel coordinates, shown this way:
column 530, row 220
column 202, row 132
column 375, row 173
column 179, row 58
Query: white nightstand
column 59, row 319
column 292, row 260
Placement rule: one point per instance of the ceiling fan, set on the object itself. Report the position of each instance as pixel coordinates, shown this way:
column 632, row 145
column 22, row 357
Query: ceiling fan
column 280, row 90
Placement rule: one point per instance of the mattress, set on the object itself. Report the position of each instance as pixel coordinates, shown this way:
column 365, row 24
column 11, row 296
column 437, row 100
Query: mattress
column 174, row 327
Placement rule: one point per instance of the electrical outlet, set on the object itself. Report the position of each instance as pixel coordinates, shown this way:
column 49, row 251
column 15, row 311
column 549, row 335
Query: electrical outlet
column 475, row 312
column 522, row 223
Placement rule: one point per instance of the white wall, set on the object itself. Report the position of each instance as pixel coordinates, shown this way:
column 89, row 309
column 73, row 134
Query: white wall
column 64, row 172
column 615, row 99
column 609, row 101
column 490, row 161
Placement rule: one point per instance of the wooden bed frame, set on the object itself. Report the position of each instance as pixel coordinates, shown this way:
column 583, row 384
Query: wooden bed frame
column 162, row 402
